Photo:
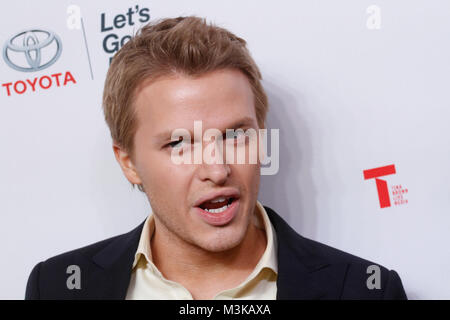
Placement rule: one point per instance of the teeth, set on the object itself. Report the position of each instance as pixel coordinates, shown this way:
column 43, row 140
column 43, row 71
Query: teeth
column 218, row 210
column 221, row 199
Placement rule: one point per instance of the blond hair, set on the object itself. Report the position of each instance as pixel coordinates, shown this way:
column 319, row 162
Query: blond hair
column 183, row 45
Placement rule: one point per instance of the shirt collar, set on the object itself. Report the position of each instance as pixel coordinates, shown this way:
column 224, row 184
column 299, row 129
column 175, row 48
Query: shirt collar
column 261, row 220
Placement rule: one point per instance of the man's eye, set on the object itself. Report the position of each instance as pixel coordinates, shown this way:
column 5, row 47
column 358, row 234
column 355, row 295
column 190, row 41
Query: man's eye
column 175, row 144
column 234, row 134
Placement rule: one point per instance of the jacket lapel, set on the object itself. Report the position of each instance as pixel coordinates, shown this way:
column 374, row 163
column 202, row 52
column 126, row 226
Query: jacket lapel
column 112, row 277
column 303, row 275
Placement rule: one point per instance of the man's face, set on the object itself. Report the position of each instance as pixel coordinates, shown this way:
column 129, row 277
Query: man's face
column 222, row 100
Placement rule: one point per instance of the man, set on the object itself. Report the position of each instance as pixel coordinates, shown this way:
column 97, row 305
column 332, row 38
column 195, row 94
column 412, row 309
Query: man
column 208, row 237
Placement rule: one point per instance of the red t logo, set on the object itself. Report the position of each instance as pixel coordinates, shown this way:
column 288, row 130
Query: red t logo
column 383, row 193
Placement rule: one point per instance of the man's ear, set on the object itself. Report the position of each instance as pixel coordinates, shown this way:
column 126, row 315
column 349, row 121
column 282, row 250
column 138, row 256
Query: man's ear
column 125, row 162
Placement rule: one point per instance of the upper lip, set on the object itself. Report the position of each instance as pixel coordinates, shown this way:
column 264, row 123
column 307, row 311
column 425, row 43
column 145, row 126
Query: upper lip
column 228, row 193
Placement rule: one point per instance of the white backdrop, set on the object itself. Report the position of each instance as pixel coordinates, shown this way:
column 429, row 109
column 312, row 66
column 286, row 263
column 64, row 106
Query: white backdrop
column 351, row 86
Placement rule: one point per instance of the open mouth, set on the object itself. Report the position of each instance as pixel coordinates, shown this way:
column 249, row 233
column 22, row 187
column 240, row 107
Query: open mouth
column 218, row 208
column 217, row 205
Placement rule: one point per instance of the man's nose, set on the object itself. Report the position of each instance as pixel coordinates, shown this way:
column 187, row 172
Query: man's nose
column 216, row 173
column 216, row 169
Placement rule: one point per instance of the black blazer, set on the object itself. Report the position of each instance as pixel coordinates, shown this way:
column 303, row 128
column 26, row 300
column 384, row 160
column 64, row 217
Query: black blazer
column 306, row 270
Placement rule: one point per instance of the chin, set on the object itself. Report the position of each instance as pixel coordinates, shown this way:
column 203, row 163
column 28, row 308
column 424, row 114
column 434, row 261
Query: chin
column 219, row 247
column 222, row 241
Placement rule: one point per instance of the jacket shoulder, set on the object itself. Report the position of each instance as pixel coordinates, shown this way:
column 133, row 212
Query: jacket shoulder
column 350, row 276
column 81, row 254
column 48, row 278
column 332, row 254
column 364, row 279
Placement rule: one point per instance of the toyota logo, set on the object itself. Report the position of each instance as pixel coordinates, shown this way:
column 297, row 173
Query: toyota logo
column 32, row 50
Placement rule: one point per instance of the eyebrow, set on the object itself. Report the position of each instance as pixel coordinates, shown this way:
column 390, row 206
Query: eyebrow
column 246, row 121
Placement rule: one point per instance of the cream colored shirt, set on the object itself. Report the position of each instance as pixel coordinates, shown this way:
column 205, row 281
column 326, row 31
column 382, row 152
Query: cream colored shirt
column 147, row 282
